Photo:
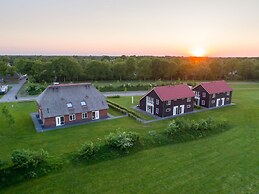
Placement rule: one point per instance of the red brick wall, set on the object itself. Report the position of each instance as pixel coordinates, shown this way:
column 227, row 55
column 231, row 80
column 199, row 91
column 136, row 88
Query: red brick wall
column 103, row 113
column 51, row 122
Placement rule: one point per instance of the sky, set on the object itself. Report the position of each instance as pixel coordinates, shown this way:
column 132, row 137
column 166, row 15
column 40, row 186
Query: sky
column 130, row 27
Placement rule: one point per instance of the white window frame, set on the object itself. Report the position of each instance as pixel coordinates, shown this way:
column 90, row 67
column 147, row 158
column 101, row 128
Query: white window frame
column 157, row 101
column 203, row 102
column 168, row 110
column 213, row 101
column 213, row 95
column 150, row 100
column 72, row 117
column 84, row 115
column 188, row 106
column 227, row 99
column 204, row 94
column 168, row 102
column 228, row 93
column 189, row 99
column 69, row 105
column 157, row 110
column 83, row 103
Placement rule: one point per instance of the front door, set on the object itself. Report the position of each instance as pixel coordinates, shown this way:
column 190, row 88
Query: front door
column 197, row 101
column 150, row 109
column 223, row 101
column 217, row 103
column 95, row 115
column 181, row 110
column 176, row 110
column 60, row 121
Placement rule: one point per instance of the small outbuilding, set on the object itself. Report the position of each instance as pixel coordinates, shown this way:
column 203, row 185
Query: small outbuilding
column 166, row 101
column 213, row 94
column 3, row 89
column 62, row 104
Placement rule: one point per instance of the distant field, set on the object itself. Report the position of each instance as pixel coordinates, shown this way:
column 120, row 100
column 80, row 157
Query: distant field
column 224, row 163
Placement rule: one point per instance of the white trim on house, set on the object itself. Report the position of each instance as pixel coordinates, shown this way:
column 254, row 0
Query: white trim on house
column 150, row 105
column 84, row 115
column 72, row 117
column 60, row 120
column 95, row 115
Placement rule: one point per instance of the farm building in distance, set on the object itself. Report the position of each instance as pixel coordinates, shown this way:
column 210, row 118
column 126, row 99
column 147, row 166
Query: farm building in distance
column 166, row 101
column 62, row 104
column 3, row 89
column 213, row 94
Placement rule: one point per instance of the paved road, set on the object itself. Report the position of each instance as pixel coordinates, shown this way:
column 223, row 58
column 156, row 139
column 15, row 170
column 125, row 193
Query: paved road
column 10, row 95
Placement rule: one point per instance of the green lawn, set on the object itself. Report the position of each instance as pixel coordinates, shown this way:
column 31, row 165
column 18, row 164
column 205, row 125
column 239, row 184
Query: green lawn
column 126, row 101
column 224, row 163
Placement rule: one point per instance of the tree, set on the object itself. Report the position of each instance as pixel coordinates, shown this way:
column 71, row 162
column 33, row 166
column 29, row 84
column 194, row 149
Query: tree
column 144, row 69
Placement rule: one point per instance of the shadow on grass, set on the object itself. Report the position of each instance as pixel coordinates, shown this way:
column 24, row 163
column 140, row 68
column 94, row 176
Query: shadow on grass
column 11, row 176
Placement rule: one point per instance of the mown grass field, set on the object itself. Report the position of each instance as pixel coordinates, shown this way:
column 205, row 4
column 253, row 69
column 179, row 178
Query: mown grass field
column 126, row 102
column 224, row 163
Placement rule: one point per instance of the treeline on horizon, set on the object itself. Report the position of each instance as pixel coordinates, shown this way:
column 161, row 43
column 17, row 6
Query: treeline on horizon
column 77, row 68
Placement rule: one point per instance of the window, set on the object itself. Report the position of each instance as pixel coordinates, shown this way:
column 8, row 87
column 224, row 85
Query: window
column 189, row 99
column 203, row 94
column 213, row 101
column 72, row 117
column 227, row 99
column 188, row 106
column 150, row 100
column 83, row 103
column 203, row 102
column 69, row 105
column 168, row 110
column 228, row 93
column 84, row 115
column 157, row 101
column 168, row 102
column 197, row 93
column 213, row 95
column 157, row 110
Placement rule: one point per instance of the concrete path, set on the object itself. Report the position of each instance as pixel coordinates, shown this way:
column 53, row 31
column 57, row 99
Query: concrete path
column 10, row 95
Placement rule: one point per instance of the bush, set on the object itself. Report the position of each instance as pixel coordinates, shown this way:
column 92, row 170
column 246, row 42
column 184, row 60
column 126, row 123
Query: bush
column 180, row 126
column 123, row 109
column 35, row 88
column 87, row 150
column 122, row 140
column 115, row 96
column 29, row 159
column 2, row 163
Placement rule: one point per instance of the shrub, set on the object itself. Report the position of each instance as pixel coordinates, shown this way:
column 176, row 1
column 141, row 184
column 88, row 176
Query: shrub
column 87, row 150
column 35, row 88
column 2, row 163
column 29, row 159
column 172, row 128
column 181, row 125
column 197, row 107
column 115, row 96
column 122, row 140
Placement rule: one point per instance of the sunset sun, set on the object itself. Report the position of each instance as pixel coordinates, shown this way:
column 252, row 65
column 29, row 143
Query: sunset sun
column 198, row 52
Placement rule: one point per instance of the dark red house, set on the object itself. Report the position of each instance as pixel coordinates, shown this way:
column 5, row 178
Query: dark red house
column 213, row 94
column 168, row 100
column 70, row 103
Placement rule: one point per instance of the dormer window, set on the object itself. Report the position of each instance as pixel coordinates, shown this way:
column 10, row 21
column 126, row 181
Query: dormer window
column 83, row 103
column 69, row 105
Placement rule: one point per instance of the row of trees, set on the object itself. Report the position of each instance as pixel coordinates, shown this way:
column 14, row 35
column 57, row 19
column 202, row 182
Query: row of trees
column 64, row 69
